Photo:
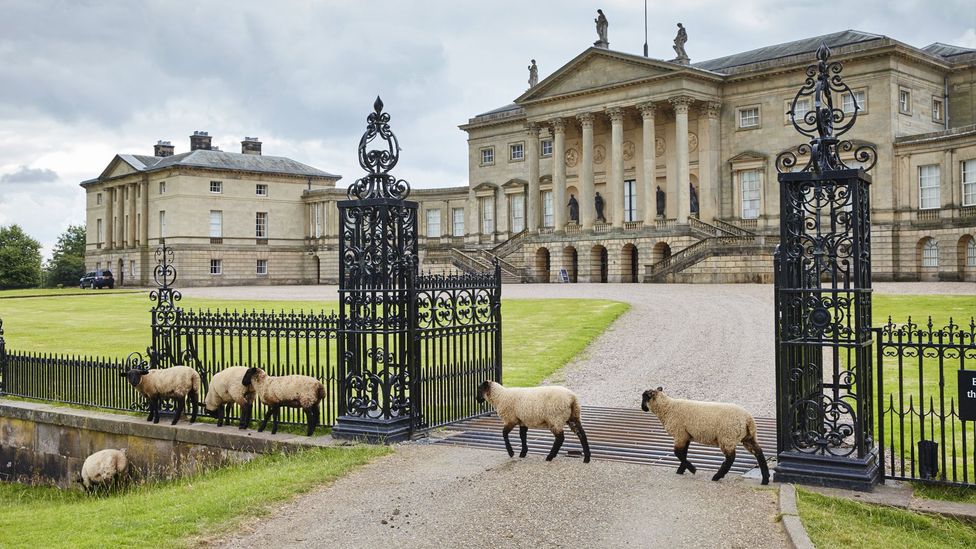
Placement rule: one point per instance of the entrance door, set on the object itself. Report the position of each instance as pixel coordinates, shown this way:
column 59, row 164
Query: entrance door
column 604, row 264
column 120, row 274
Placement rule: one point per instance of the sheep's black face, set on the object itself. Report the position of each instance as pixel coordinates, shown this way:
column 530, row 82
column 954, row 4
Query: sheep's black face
column 483, row 391
column 135, row 376
column 648, row 396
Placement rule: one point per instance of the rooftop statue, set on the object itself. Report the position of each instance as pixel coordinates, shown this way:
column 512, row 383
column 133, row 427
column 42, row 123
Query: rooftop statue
column 601, row 30
column 679, row 45
column 533, row 74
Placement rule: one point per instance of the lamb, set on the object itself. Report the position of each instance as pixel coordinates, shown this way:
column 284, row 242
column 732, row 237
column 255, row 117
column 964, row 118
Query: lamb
column 103, row 466
column 551, row 407
column 178, row 383
column 227, row 388
column 294, row 391
column 711, row 423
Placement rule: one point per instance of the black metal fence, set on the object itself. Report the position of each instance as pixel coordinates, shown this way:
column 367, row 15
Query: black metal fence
column 921, row 432
column 69, row 379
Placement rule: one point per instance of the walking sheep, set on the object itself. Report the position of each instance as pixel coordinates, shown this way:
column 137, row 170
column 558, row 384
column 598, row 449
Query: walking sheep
column 226, row 389
column 178, row 383
column 103, row 466
column 711, row 423
column 550, row 407
column 293, row 391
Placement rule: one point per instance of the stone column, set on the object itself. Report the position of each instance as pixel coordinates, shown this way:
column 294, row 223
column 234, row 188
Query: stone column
column 649, row 164
column 708, row 160
column 131, row 226
column 532, row 159
column 559, row 174
column 144, row 226
column 587, row 191
column 616, row 186
column 681, row 104
column 109, row 195
column 472, row 218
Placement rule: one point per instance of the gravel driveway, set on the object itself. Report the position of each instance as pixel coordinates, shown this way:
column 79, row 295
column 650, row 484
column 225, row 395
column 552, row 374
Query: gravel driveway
column 426, row 496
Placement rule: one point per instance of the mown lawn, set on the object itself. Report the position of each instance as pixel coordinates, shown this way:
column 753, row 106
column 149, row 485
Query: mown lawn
column 172, row 513
column 539, row 336
column 839, row 523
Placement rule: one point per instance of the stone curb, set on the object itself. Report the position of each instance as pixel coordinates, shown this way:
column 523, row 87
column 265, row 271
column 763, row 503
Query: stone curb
column 790, row 517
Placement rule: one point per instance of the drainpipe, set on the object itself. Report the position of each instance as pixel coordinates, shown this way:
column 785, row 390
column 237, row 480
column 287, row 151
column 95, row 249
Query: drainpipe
column 945, row 101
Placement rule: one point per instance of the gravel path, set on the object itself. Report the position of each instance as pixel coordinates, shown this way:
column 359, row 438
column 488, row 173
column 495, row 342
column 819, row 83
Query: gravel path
column 425, row 496
column 702, row 341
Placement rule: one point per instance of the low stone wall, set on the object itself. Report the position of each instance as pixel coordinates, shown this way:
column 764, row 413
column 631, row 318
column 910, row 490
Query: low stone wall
column 44, row 444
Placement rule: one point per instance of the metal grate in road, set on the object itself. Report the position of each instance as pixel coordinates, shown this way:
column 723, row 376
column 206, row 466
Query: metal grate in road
column 616, row 434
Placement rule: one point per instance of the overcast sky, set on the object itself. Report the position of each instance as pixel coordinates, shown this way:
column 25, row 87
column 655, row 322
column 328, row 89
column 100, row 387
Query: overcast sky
column 83, row 80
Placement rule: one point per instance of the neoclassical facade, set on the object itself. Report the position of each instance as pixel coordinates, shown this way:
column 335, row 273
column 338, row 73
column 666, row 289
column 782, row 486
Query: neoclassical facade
column 682, row 158
column 680, row 153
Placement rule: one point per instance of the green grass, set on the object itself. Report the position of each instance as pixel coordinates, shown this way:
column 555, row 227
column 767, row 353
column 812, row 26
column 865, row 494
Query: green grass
column 171, row 513
column 958, row 494
column 539, row 336
column 832, row 522
column 61, row 292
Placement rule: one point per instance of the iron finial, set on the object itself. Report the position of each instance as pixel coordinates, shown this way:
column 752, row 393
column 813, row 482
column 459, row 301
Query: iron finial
column 378, row 162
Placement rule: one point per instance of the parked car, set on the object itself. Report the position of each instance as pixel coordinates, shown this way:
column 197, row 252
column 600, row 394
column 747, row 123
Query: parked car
column 101, row 278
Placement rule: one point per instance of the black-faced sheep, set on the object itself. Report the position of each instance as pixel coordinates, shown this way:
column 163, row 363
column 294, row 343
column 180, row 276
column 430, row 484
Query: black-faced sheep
column 103, row 467
column 711, row 423
column 536, row 407
column 226, row 389
column 177, row 383
column 294, row 391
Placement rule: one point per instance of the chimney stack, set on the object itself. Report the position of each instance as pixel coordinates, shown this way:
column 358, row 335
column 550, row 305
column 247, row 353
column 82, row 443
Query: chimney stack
column 251, row 145
column 163, row 148
column 200, row 141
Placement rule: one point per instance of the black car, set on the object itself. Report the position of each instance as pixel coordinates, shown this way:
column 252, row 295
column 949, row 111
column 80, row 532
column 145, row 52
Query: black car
column 101, row 278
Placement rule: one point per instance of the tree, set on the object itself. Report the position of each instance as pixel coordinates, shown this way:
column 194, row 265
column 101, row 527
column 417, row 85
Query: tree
column 67, row 263
column 20, row 259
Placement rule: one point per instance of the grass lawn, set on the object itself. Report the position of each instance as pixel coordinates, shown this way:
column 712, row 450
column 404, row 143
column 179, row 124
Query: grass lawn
column 168, row 514
column 539, row 336
column 833, row 522
column 48, row 292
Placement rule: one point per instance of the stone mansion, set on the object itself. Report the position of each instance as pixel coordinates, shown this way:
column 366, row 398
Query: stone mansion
column 614, row 168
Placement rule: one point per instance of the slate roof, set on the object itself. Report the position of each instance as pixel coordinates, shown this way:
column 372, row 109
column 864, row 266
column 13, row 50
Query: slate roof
column 221, row 160
column 797, row 47
column 946, row 50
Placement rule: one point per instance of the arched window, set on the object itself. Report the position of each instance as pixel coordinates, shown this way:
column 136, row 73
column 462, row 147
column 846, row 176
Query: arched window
column 930, row 253
column 971, row 253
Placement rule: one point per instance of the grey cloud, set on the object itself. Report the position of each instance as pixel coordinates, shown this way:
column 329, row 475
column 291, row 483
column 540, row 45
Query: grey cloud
column 23, row 174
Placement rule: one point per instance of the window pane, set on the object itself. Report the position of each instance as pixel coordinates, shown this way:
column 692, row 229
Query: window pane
column 518, row 213
column 216, row 222
column 971, row 253
column 458, row 214
column 487, row 215
column 749, row 117
column 433, row 223
column 261, row 225
column 262, row 267
column 749, row 180
column 630, row 200
column 162, row 224
column 547, row 212
column 930, row 253
column 928, row 186
column 216, row 266
column 969, row 183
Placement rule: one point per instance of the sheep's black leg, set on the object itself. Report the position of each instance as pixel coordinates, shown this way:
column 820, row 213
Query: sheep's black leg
column 726, row 465
column 155, row 410
column 245, row 416
column 180, row 404
column 220, row 415
column 264, row 423
column 274, row 425
column 523, row 432
column 313, row 419
column 753, row 447
column 682, row 453
column 577, row 428
column 508, row 444
column 150, row 403
column 556, row 446
column 193, row 407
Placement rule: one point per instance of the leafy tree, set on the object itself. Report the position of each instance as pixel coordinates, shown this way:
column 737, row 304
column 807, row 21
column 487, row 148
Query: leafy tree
column 20, row 259
column 67, row 263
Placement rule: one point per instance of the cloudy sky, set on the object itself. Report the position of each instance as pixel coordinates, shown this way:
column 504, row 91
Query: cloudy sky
column 83, row 80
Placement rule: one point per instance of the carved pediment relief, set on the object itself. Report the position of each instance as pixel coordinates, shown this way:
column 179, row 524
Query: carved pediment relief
column 594, row 70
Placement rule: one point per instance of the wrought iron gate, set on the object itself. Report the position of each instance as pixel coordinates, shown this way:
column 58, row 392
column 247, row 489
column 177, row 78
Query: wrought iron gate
column 923, row 430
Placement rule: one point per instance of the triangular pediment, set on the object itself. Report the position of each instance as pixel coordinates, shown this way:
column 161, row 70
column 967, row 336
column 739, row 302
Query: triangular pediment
column 596, row 69
column 117, row 168
column 748, row 156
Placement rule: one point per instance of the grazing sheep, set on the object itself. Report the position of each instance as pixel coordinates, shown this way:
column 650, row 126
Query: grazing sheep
column 294, row 391
column 551, row 407
column 178, row 383
column 226, row 389
column 102, row 467
column 711, row 423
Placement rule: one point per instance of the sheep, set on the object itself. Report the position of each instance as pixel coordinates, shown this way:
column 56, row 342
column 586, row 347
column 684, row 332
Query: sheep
column 226, row 388
column 294, row 391
column 103, row 466
column 551, row 407
column 178, row 382
column 711, row 423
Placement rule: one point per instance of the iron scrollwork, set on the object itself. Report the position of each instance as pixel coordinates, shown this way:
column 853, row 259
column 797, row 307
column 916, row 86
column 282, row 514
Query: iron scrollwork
column 378, row 183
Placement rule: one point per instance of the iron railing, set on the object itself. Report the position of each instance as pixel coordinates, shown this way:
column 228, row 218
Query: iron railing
column 69, row 379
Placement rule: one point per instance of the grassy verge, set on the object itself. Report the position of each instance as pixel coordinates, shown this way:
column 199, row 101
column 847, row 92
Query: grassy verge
column 945, row 493
column 63, row 292
column 168, row 514
column 833, row 522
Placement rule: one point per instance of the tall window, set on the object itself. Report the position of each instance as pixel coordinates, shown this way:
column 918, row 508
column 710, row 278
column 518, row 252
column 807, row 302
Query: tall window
column 971, row 253
column 318, row 219
column 261, row 189
column 516, row 151
column 262, row 267
column 850, row 98
column 261, row 225
column 433, row 223
column 749, row 180
column 630, row 200
column 547, row 220
column 749, row 117
column 487, row 215
column 930, row 253
column 546, row 147
column 98, row 231
column 488, row 155
column 905, row 101
column 216, row 187
column 162, row 187
column 216, row 267
column 518, row 213
column 162, row 224
column 969, row 183
column 928, row 187
column 98, row 199
column 216, row 223
column 937, row 109
column 458, row 221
